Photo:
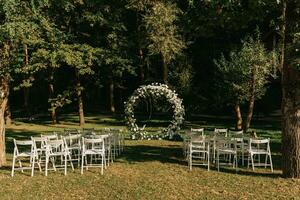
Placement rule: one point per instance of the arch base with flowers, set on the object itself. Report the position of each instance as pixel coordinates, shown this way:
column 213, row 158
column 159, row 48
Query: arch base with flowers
column 154, row 90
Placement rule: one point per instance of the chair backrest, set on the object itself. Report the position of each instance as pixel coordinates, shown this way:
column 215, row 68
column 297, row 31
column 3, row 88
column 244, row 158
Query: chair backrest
column 225, row 142
column 72, row 131
column 197, row 141
column 72, row 139
column 53, row 136
column 39, row 142
column 237, row 135
column 26, row 145
column 221, row 131
column 93, row 143
column 197, row 131
column 57, row 145
column 259, row 144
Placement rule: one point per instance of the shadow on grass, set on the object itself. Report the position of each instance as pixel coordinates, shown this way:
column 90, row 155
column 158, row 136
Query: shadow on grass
column 18, row 135
column 145, row 153
column 173, row 154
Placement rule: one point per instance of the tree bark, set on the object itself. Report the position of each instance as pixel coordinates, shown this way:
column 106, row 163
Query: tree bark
column 111, row 96
column 251, row 100
column 80, row 103
column 238, row 116
column 249, row 113
column 165, row 70
column 3, row 103
column 26, row 89
column 290, row 79
column 8, row 120
column 53, row 112
column 291, row 122
column 142, row 71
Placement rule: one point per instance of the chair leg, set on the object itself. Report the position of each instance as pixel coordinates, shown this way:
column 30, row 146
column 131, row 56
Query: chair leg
column 53, row 163
column 82, row 162
column 32, row 167
column 13, row 166
column 20, row 164
column 243, row 157
column 104, row 160
column 71, row 163
column 190, row 162
column 38, row 163
column 271, row 163
column 86, row 163
column 46, row 165
column 102, row 163
column 65, row 164
column 248, row 161
column 218, row 160
column 208, row 161
column 252, row 161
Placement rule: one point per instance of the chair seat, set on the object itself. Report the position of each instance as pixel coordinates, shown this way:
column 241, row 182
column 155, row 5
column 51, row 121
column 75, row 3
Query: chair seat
column 57, row 154
column 229, row 151
column 93, row 151
column 258, row 151
column 25, row 154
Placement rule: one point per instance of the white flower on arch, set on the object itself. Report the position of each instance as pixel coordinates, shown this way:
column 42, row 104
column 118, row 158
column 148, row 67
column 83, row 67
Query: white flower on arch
column 157, row 90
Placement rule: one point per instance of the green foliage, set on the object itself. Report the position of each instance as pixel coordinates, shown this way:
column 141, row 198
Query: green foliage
column 250, row 67
column 163, row 36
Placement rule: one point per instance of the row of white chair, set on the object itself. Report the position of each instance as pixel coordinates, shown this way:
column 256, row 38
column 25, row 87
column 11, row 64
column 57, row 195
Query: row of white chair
column 67, row 149
column 198, row 149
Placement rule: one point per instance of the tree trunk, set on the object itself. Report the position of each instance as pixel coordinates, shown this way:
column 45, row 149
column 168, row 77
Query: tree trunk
column 3, row 103
column 111, row 96
column 251, row 99
column 26, row 89
column 142, row 71
column 290, row 79
column 8, row 120
column 291, row 122
column 53, row 112
column 165, row 70
column 80, row 103
column 238, row 116
column 249, row 113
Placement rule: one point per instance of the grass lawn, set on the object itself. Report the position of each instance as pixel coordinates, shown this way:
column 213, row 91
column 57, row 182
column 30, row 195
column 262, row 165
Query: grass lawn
column 146, row 170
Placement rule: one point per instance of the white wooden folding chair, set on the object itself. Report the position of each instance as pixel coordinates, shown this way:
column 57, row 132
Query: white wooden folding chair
column 20, row 154
column 107, row 138
column 228, row 148
column 55, row 150
column 40, row 144
column 93, row 148
column 259, row 147
column 73, row 144
column 197, row 131
column 221, row 132
column 192, row 132
column 241, row 144
column 198, row 153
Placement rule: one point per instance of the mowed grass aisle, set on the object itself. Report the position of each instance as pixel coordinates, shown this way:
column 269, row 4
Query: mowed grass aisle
column 145, row 170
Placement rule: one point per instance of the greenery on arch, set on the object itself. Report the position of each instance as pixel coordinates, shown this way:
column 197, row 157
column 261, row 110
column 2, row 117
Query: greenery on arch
column 155, row 90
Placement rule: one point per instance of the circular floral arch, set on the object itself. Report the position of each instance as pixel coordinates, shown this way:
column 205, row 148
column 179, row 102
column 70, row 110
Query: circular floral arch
column 155, row 90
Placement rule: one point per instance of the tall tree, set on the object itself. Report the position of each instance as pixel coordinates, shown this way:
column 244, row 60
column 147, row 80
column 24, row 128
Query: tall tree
column 246, row 73
column 16, row 32
column 163, row 34
column 291, row 89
